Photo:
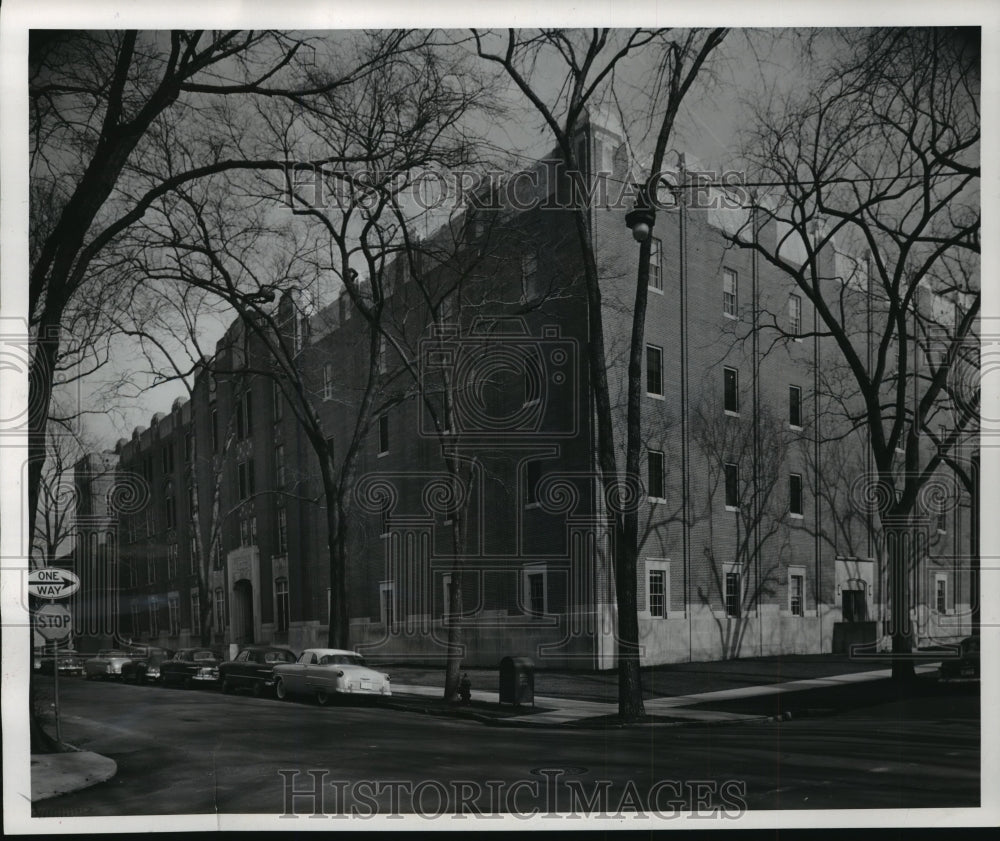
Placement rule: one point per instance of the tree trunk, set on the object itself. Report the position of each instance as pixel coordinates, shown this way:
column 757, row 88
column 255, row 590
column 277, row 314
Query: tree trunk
column 338, row 634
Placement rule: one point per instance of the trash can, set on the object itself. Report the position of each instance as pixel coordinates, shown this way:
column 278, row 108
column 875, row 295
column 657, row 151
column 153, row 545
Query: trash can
column 517, row 681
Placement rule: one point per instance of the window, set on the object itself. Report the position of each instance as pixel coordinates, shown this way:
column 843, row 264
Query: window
column 658, row 579
column 246, row 479
column 529, row 275
column 154, row 625
column 195, row 613
column 795, row 494
column 446, row 584
column 729, row 287
column 733, row 596
column 383, row 435
column 532, row 476
column 170, row 508
column 940, row 593
column 244, row 416
column 279, row 465
column 281, row 605
column 282, row 531
column 328, row 381
column 730, row 388
column 248, row 531
column 446, row 309
column 174, row 614
column 654, row 469
column 220, row 611
column 150, row 571
column 136, row 619
column 732, row 473
column 172, row 560
column 655, row 265
column 217, row 560
column 795, row 315
column 193, row 552
column 796, row 587
column 534, row 593
column 941, row 518
column 168, row 459
column 277, row 401
column 795, row 406
column 215, row 430
column 387, row 603
column 654, row 370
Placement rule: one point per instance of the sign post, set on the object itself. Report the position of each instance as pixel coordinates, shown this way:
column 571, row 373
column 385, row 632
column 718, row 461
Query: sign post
column 54, row 622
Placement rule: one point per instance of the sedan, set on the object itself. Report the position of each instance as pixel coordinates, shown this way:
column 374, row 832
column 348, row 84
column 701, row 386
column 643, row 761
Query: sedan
column 146, row 665
column 964, row 663
column 327, row 673
column 70, row 662
column 253, row 669
column 190, row 666
column 107, row 663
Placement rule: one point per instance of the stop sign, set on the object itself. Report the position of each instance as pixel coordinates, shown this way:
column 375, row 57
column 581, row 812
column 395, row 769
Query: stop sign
column 53, row 621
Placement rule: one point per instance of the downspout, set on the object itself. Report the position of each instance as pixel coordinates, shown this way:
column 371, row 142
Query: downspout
column 685, row 467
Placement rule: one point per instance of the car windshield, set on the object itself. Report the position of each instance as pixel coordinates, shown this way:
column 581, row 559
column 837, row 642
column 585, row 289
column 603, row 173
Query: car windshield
column 279, row 657
column 342, row 660
column 202, row 655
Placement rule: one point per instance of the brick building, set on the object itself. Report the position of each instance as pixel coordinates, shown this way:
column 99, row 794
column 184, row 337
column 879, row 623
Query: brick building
column 753, row 540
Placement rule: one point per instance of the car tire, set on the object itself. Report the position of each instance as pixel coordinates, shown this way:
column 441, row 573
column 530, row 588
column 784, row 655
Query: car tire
column 141, row 679
column 280, row 691
column 322, row 697
column 187, row 683
column 227, row 687
column 258, row 689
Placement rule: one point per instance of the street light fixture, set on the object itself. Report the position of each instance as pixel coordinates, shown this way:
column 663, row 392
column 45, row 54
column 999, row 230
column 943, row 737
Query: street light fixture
column 641, row 218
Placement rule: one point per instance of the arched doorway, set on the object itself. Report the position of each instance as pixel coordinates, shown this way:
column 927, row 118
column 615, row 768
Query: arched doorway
column 243, row 625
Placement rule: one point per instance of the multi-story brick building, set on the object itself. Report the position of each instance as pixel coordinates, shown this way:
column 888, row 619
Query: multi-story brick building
column 753, row 541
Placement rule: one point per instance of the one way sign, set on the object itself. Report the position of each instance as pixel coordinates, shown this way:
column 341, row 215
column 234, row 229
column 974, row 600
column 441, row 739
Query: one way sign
column 52, row 583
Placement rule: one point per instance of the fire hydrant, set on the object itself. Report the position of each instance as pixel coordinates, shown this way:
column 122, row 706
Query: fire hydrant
column 465, row 689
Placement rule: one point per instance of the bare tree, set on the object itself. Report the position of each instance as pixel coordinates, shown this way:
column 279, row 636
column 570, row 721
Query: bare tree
column 759, row 518
column 588, row 62
column 103, row 108
column 880, row 163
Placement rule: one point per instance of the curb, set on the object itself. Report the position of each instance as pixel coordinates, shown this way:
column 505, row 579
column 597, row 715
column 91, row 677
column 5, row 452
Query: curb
column 576, row 724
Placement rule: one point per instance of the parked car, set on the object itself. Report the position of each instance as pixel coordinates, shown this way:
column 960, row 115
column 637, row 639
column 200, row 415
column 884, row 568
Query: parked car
column 70, row 662
column 253, row 669
column 329, row 672
column 107, row 664
column 145, row 668
column 964, row 663
column 190, row 666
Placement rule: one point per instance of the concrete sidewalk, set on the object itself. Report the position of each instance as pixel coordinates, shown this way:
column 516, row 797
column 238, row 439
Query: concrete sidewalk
column 53, row 774
column 594, row 695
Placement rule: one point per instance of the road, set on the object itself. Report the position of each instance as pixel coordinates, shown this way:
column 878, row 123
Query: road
column 203, row 752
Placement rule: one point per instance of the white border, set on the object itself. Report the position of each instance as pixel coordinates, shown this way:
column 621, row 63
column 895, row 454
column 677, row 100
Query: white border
column 16, row 16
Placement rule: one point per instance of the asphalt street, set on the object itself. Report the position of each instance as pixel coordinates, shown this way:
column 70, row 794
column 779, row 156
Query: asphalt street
column 203, row 752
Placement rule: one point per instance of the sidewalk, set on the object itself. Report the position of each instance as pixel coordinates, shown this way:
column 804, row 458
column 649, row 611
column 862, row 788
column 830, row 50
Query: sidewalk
column 679, row 693
column 53, row 774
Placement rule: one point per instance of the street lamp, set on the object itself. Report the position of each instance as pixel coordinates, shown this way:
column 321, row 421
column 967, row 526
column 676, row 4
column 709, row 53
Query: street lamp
column 641, row 218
